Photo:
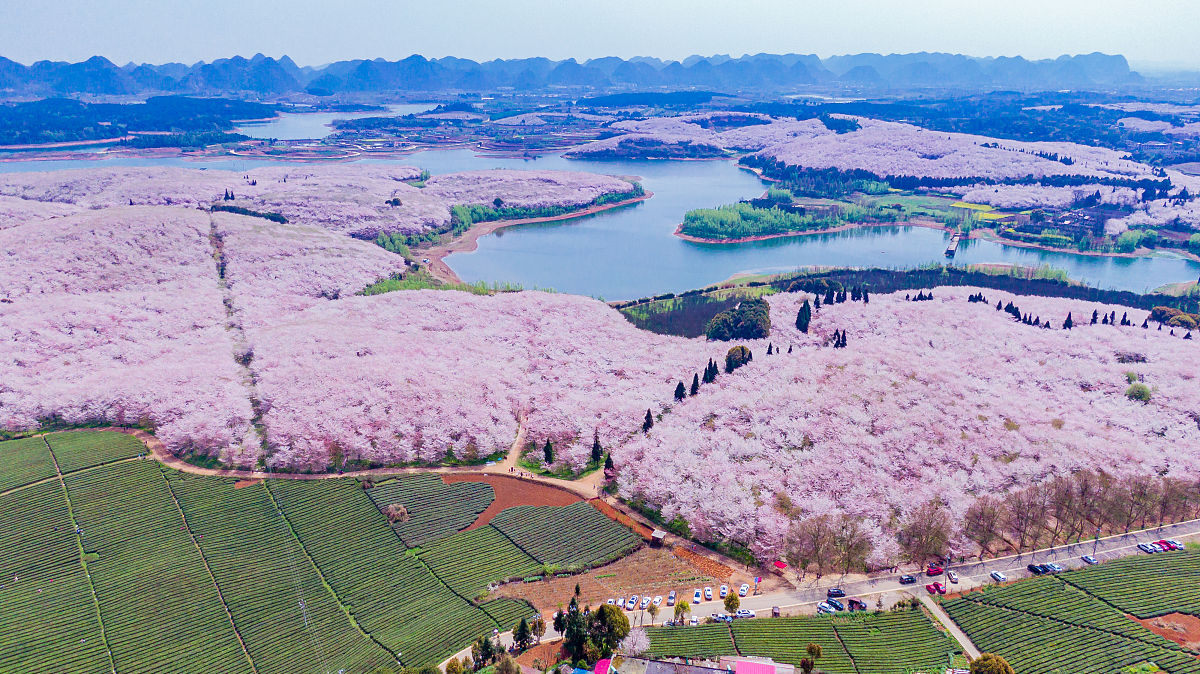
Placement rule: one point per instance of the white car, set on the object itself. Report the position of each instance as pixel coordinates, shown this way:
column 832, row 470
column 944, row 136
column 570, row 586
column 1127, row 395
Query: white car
column 632, row 603
column 657, row 600
column 952, row 576
column 724, row 591
column 1177, row 544
column 645, row 602
column 694, row 621
column 823, row 607
column 708, row 594
column 696, row 598
column 744, row 613
column 671, row 598
column 744, row 590
column 611, row 601
column 998, row 577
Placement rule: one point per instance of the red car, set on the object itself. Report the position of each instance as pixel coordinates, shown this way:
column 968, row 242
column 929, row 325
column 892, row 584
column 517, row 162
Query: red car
column 934, row 570
column 935, row 588
column 1167, row 545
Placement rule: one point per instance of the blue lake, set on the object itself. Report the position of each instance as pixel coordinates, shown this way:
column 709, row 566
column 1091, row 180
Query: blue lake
column 632, row 252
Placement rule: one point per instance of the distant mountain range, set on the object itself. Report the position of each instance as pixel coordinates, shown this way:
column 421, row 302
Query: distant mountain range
column 267, row 76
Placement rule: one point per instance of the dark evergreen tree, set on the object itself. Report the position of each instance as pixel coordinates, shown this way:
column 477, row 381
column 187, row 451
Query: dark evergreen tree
column 695, row 385
column 680, row 391
column 1068, row 324
column 770, row 348
column 866, row 297
column 816, row 302
column 597, row 451
column 608, row 462
column 548, row 451
column 998, row 307
column 803, row 317
column 1146, row 323
column 1095, row 316
column 648, row 423
column 789, row 348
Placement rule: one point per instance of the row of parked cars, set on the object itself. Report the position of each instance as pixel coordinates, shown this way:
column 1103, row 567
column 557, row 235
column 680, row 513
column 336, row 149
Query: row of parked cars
column 724, row 592
column 1165, row 545
column 634, row 602
column 832, row 602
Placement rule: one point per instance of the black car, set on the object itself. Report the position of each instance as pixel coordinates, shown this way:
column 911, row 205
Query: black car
column 835, row 592
column 907, row 579
column 1036, row 569
column 836, row 604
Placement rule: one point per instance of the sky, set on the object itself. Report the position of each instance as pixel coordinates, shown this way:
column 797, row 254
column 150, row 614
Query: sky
column 314, row 32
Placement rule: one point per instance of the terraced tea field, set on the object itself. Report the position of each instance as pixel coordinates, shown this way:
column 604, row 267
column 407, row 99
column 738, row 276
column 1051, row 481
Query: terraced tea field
column 1077, row 621
column 174, row 572
column 569, row 537
column 885, row 643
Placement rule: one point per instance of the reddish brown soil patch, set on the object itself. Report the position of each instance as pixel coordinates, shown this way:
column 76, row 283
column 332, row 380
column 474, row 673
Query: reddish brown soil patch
column 512, row 491
column 702, row 563
column 547, row 653
column 651, row 571
column 245, row 483
column 621, row 518
column 1182, row 628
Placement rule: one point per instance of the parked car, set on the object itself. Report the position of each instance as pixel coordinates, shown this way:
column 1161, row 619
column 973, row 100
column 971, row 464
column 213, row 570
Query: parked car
column 744, row 613
column 836, row 604
column 835, row 592
column 645, row 602
column 744, row 590
column 671, row 598
column 856, row 604
column 952, row 576
column 1177, row 544
column 611, row 601
column 1055, row 568
column 722, row 617
column 632, row 603
column 933, row 570
column 1145, row 547
column 694, row 621
column 696, row 597
column 824, row 607
column 998, row 577
column 1036, row 569
column 1088, row 559
column 708, row 594
column 724, row 591
column 939, row 588
column 657, row 600
column 929, row 587
column 907, row 579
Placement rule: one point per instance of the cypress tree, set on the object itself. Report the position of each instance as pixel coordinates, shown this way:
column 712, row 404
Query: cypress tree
column 597, row 451
column 866, row 297
column 548, row 451
column 998, row 307
column 608, row 463
column 816, row 302
column 1068, row 324
column 1095, row 316
column 770, row 349
column 789, row 348
column 648, row 423
column 1146, row 323
column 695, row 385
column 680, row 391
column 803, row 317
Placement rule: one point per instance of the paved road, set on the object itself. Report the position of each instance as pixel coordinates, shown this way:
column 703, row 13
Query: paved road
column 971, row 574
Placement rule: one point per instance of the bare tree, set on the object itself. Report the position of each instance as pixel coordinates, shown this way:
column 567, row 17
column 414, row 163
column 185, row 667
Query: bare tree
column 396, row 513
column 1023, row 516
column 851, row 546
column 925, row 533
column 982, row 522
column 809, row 542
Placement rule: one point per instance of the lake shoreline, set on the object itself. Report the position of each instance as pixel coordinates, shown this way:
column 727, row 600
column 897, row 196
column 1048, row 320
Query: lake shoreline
column 928, row 224
column 469, row 241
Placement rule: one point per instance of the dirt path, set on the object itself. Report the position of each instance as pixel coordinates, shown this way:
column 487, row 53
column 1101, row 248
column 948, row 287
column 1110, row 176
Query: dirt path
column 513, row 491
column 469, row 240
column 959, row 636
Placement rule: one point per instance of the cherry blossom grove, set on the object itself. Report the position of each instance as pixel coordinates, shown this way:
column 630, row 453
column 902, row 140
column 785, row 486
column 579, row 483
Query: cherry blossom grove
column 358, row 199
column 941, row 398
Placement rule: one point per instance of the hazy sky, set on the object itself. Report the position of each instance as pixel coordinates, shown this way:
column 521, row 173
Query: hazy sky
column 314, row 32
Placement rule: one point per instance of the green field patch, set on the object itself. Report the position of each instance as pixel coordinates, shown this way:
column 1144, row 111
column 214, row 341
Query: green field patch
column 702, row 641
column 571, row 537
column 288, row 619
column 75, row 450
column 895, row 642
column 785, row 640
column 24, row 461
column 392, row 594
column 469, row 561
column 1034, row 645
column 1145, row 586
column 434, row 508
column 507, row 612
column 48, row 619
column 160, row 608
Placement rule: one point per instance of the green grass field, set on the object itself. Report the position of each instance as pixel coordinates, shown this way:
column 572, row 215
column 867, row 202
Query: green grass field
column 435, row 509
column 1077, row 621
column 571, row 537
column 881, row 643
column 174, row 572
column 24, row 461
